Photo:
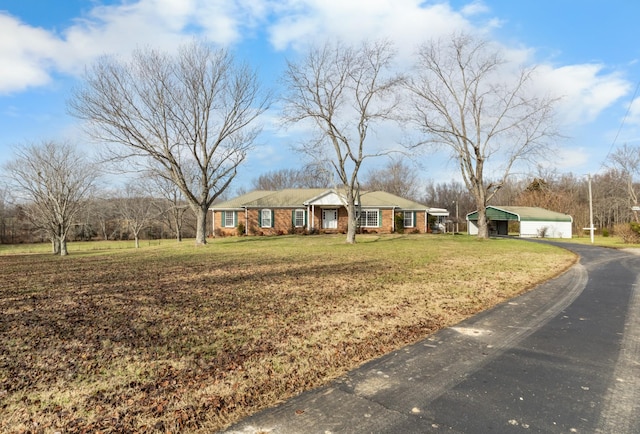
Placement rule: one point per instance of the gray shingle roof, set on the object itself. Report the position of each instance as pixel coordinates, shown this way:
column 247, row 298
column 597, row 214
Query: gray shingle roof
column 240, row 201
column 297, row 197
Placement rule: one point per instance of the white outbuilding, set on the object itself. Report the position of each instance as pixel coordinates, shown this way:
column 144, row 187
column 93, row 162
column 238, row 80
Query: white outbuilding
column 533, row 222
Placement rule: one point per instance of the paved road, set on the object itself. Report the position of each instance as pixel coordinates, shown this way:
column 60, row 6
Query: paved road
column 563, row 358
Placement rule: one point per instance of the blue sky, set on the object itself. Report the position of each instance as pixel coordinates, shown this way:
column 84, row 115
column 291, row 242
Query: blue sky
column 587, row 50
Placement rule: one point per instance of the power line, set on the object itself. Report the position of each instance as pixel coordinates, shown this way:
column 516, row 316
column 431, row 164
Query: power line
column 624, row 119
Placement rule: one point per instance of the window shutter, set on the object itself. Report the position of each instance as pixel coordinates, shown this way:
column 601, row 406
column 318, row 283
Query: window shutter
column 293, row 218
column 306, row 218
column 235, row 218
column 379, row 218
column 415, row 219
column 224, row 219
column 260, row 218
column 273, row 223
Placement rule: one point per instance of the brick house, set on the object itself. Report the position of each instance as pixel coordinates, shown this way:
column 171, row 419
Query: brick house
column 319, row 210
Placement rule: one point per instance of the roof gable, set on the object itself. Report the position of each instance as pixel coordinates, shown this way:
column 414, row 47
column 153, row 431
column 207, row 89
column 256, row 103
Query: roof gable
column 327, row 197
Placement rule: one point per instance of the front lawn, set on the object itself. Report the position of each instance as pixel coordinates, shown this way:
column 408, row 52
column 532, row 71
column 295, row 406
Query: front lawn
column 179, row 338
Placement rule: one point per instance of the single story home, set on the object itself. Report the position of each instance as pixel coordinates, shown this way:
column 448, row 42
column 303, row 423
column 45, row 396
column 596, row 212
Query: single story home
column 533, row 222
column 323, row 210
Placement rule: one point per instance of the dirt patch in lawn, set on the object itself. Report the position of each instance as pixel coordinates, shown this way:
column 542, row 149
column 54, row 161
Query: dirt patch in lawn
column 184, row 339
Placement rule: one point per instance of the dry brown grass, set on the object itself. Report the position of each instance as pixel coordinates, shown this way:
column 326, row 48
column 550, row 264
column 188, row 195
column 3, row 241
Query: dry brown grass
column 181, row 339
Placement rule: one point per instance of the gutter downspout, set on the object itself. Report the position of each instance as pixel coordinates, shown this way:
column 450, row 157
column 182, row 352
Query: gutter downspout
column 246, row 221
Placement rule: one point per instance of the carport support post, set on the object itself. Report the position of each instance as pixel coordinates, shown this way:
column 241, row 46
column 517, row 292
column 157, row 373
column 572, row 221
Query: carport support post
column 457, row 216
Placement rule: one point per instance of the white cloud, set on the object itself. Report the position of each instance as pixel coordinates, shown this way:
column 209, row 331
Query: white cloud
column 569, row 158
column 405, row 22
column 25, row 55
column 586, row 90
column 475, row 8
column 634, row 112
column 35, row 54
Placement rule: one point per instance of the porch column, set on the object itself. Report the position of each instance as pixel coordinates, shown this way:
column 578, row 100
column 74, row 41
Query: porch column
column 393, row 219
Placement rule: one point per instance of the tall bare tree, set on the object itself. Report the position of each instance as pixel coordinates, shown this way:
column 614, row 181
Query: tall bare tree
column 343, row 91
column 396, row 177
column 627, row 160
column 465, row 100
column 54, row 179
column 189, row 118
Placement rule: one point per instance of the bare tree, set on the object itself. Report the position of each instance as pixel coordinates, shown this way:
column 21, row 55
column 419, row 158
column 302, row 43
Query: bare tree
column 397, row 177
column 451, row 195
column 463, row 101
column 136, row 209
column 173, row 207
column 626, row 159
column 188, row 118
column 343, row 91
column 4, row 213
column 104, row 214
column 309, row 176
column 54, row 179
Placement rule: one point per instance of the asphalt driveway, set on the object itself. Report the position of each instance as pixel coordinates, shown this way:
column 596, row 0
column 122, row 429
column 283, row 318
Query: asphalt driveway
column 563, row 358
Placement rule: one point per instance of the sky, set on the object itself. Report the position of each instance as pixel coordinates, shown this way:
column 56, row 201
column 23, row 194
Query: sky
column 586, row 50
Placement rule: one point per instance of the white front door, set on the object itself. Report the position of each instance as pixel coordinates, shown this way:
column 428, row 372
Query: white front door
column 329, row 219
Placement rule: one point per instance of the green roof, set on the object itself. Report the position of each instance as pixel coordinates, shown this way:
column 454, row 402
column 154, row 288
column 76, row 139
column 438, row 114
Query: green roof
column 521, row 213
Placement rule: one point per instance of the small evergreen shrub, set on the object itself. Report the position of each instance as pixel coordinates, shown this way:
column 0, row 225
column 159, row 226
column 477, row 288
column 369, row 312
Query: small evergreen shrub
column 399, row 223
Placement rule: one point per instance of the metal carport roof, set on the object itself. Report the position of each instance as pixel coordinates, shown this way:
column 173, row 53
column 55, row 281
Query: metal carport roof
column 521, row 213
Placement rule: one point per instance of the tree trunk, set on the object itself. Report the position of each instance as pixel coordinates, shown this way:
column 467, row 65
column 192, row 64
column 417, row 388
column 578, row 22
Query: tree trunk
column 201, row 225
column 63, row 246
column 351, row 221
column 178, row 224
column 137, row 241
column 483, row 229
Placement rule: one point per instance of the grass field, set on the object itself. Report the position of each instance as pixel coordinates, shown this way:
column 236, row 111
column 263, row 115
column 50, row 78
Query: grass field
column 177, row 338
column 599, row 240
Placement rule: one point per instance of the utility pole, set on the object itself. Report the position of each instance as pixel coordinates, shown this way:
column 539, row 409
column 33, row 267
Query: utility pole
column 590, row 210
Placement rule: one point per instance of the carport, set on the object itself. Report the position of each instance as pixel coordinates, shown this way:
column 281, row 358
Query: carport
column 533, row 222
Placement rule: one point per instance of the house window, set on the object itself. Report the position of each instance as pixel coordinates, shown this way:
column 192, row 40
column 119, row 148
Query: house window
column 369, row 218
column 228, row 218
column 266, row 218
column 408, row 219
column 298, row 218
